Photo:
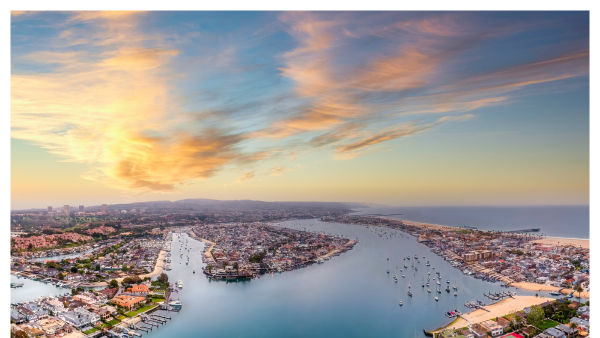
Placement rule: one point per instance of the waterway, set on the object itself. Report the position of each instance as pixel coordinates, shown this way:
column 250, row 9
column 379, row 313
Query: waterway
column 348, row 296
column 32, row 289
column 553, row 221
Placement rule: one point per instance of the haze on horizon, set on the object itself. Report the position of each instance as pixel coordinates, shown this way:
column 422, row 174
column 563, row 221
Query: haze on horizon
column 393, row 108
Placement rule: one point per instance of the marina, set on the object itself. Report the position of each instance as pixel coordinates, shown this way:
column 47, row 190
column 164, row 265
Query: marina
column 376, row 295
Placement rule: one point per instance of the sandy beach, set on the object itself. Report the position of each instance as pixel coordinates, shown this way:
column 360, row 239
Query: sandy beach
column 429, row 226
column 499, row 309
column 333, row 252
column 578, row 242
column 548, row 288
column 584, row 243
column 208, row 253
column 158, row 268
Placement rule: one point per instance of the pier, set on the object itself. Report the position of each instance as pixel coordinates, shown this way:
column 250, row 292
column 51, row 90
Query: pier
column 522, row 231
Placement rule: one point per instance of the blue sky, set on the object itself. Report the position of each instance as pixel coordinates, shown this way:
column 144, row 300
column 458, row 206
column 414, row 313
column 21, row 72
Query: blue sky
column 397, row 108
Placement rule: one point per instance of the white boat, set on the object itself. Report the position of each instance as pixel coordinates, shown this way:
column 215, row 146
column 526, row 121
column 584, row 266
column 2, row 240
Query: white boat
column 175, row 304
column 436, row 299
column 179, row 283
column 400, row 303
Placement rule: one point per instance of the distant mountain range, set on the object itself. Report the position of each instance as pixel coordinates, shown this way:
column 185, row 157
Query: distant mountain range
column 198, row 204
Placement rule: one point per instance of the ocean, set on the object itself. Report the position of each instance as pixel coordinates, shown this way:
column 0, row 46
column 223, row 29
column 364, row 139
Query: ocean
column 553, row 221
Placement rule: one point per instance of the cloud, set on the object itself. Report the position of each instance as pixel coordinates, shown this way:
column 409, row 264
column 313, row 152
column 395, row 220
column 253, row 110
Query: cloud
column 246, row 176
column 114, row 110
column 280, row 170
column 148, row 112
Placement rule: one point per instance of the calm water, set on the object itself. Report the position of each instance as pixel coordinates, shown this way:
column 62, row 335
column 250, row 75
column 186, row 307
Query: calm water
column 351, row 295
column 32, row 289
column 554, row 221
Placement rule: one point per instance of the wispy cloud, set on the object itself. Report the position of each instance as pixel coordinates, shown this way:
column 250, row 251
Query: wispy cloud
column 150, row 112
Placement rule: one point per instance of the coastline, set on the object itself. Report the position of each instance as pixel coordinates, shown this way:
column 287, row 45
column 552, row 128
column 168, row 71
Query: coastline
column 545, row 287
column 158, row 268
column 560, row 241
column 498, row 309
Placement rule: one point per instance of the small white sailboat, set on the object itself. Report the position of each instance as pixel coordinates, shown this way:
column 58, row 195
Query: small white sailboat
column 400, row 303
column 436, row 298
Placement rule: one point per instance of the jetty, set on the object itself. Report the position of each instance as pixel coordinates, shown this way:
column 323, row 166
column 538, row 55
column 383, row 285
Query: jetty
column 522, row 231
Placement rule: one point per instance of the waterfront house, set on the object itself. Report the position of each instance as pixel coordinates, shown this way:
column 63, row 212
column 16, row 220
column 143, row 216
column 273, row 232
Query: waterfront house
column 128, row 302
column 503, row 322
column 478, row 330
column 493, row 327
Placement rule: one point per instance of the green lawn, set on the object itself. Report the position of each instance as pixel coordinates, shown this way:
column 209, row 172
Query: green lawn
column 546, row 324
column 113, row 322
column 140, row 310
column 90, row 330
column 121, row 317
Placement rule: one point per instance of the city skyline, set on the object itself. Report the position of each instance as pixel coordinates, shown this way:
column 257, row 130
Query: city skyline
column 392, row 108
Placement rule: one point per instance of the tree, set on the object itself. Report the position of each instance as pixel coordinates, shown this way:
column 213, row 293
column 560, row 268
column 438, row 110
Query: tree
column 74, row 269
column 60, row 276
column 114, row 284
column 517, row 320
column 97, row 268
column 30, row 246
column 579, row 290
column 163, row 278
column 236, row 266
column 209, row 267
column 536, row 315
column 573, row 326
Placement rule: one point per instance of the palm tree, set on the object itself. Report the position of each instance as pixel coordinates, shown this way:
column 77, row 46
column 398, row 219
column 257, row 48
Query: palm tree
column 579, row 289
column 573, row 326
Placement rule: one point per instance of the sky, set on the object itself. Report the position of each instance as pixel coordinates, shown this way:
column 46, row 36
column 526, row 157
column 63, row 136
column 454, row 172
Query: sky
column 393, row 108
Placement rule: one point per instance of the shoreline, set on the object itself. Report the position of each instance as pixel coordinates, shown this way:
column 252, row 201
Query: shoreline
column 568, row 241
column 499, row 309
column 158, row 268
column 548, row 288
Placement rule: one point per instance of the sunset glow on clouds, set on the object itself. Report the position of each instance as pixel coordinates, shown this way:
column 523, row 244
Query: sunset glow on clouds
column 153, row 102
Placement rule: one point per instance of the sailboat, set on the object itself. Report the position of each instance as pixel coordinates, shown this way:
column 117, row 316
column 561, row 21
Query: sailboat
column 423, row 284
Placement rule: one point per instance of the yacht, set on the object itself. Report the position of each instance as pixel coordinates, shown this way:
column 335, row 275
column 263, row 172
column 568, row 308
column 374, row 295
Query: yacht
column 400, row 303
column 409, row 293
column 429, row 290
column 455, row 293
column 179, row 284
column 175, row 304
column 436, row 298
column 388, row 270
column 409, row 285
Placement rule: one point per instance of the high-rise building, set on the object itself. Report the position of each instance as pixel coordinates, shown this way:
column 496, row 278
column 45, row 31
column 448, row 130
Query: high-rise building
column 67, row 210
column 49, row 209
column 81, row 208
column 104, row 208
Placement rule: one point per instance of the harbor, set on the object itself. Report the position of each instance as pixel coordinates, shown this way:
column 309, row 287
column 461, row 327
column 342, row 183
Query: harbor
column 360, row 272
column 377, row 256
